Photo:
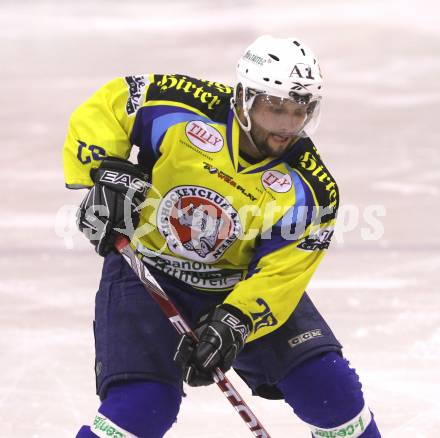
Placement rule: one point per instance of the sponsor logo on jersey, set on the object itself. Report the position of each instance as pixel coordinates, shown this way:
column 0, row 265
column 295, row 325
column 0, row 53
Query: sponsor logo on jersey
column 198, row 223
column 310, row 163
column 136, row 88
column 277, row 181
column 228, row 179
column 198, row 274
column 195, row 88
column 304, row 337
column 317, row 240
column 264, row 318
column 204, row 136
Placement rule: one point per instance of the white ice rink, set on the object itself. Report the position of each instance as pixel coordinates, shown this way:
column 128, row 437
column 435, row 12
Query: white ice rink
column 380, row 135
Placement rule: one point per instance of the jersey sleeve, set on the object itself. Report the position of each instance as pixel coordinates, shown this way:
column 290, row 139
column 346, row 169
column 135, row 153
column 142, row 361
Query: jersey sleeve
column 285, row 258
column 101, row 127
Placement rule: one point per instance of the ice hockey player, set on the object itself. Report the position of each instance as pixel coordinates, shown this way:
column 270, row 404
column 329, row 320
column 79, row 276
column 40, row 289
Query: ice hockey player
column 232, row 209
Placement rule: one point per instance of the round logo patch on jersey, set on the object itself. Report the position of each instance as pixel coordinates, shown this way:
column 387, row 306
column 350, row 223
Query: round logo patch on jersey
column 277, row 181
column 204, row 136
column 198, row 223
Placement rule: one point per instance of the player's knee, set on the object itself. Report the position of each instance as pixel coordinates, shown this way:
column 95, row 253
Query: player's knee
column 323, row 389
column 326, row 393
column 143, row 409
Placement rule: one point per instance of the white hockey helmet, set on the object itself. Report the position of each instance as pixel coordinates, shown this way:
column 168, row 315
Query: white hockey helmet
column 282, row 67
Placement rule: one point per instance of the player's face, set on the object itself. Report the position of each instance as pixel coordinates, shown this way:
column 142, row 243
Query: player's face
column 276, row 123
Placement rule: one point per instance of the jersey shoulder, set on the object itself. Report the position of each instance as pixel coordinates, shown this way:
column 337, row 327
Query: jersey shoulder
column 212, row 99
column 306, row 160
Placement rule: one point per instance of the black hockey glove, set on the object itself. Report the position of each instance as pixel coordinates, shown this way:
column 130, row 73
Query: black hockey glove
column 222, row 335
column 110, row 206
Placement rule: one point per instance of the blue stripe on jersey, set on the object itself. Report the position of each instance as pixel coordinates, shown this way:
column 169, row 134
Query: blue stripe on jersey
column 295, row 211
column 289, row 227
column 148, row 135
column 161, row 124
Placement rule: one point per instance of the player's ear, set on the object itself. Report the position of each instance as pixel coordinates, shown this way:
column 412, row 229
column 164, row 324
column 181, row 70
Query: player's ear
column 239, row 98
column 239, row 94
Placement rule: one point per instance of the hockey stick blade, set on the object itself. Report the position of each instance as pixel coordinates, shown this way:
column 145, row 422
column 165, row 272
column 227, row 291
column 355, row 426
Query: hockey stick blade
column 122, row 244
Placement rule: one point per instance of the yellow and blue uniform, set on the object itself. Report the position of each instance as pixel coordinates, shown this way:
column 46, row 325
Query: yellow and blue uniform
column 212, row 219
column 215, row 228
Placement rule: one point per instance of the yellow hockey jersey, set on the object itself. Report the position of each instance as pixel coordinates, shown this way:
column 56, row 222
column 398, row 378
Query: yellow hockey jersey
column 211, row 218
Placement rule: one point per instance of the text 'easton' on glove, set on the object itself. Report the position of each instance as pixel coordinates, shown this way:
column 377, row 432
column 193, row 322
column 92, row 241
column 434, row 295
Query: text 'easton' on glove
column 221, row 335
column 111, row 205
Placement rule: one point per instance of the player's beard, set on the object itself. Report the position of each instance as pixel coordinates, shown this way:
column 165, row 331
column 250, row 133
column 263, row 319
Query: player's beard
column 271, row 144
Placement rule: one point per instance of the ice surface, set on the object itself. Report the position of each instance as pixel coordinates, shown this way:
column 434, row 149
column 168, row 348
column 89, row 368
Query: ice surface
column 379, row 134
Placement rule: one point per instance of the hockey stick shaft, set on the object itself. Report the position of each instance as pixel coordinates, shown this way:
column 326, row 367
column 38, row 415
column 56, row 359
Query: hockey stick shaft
column 159, row 295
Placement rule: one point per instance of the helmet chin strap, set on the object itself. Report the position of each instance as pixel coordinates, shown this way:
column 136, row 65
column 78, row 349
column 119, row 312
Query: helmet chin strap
column 246, row 128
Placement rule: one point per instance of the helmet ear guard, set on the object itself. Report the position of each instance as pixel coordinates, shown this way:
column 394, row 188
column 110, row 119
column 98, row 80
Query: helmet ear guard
column 238, row 101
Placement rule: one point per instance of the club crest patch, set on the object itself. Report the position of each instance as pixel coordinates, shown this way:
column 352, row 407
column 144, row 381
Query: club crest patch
column 198, row 223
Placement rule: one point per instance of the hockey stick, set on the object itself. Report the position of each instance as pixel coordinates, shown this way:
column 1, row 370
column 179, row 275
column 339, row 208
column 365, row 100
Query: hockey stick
column 122, row 244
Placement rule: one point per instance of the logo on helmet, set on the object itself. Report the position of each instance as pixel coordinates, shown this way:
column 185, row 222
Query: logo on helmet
column 254, row 58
